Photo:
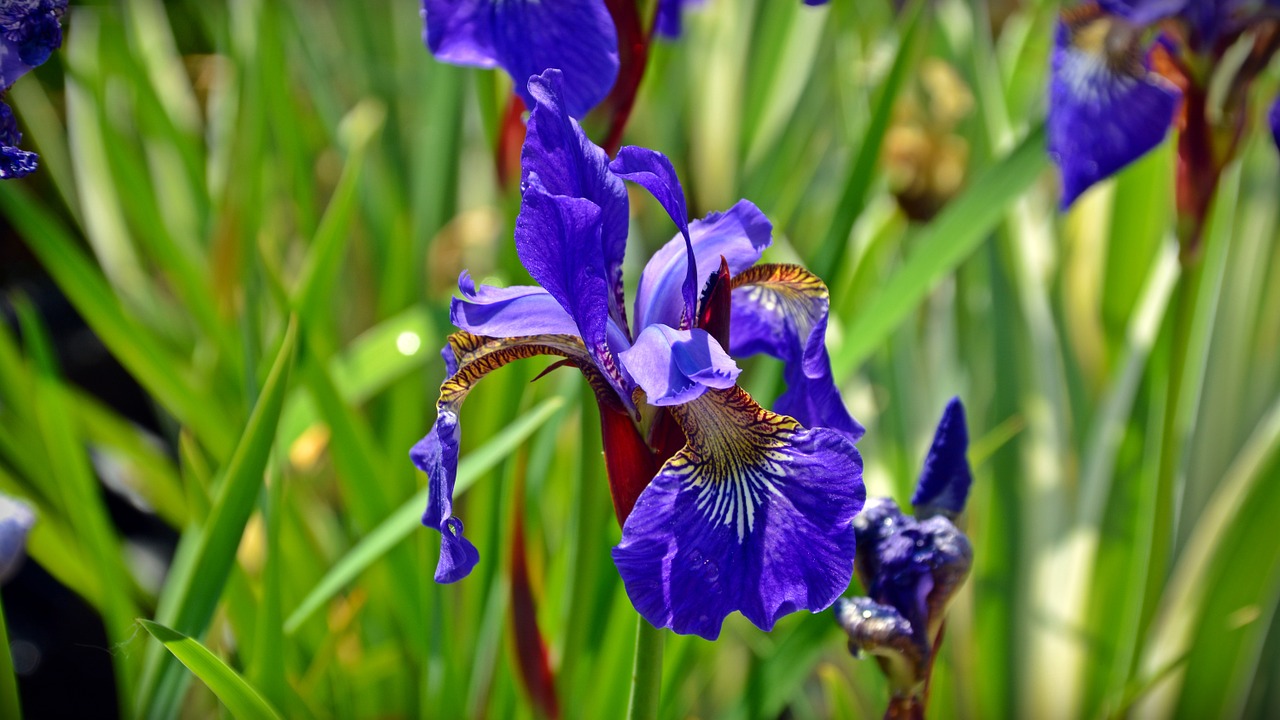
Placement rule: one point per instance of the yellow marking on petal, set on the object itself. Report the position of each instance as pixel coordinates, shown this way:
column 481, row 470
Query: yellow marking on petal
column 478, row 356
column 735, row 454
column 788, row 290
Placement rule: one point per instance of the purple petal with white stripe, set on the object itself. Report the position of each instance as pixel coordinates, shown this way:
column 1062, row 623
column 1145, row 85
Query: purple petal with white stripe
column 740, row 235
column 753, row 515
column 526, row 38
column 1106, row 109
column 675, row 366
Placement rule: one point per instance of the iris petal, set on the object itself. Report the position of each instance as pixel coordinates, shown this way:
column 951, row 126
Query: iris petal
column 753, row 515
column 781, row 310
column 944, row 483
column 1274, row 118
column 1144, row 12
column 508, row 312
column 525, row 38
column 470, row 358
column 1106, row 109
column 675, row 366
column 739, row 235
column 566, row 162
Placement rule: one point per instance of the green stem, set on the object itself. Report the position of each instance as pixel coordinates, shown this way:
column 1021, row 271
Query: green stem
column 646, row 674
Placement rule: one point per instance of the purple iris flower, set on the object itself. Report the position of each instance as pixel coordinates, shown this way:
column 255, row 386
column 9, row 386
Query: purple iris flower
column 912, row 566
column 526, row 37
column 1274, row 118
column 749, row 510
column 668, row 22
column 1108, row 104
column 29, row 32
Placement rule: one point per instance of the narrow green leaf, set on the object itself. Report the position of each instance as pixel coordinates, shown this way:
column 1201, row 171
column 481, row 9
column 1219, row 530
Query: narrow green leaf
column 188, row 602
column 408, row 517
column 940, row 248
column 239, row 696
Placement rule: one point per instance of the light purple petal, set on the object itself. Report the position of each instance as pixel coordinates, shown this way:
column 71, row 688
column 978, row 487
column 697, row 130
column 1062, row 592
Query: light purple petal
column 675, row 366
column 781, row 310
column 508, row 312
column 753, row 515
column 944, row 483
column 566, row 162
column 1102, row 116
column 652, row 170
column 16, row 521
column 740, row 234
column 526, row 38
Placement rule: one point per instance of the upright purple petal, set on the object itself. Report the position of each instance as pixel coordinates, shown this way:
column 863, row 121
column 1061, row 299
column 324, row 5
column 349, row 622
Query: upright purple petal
column 14, row 161
column 567, row 163
column 1274, row 118
column 652, row 170
column 781, row 310
column 753, row 515
column 739, row 234
column 675, row 366
column 526, row 38
column 944, row 483
column 1106, row 108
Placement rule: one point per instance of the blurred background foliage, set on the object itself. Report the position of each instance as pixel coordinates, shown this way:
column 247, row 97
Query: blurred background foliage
column 228, row 282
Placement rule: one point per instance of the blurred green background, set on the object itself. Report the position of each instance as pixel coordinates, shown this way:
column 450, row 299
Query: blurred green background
column 259, row 209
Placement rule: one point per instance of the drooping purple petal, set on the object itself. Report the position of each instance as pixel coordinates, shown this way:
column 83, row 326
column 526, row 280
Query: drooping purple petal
column 14, row 161
column 566, row 162
column 469, row 358
column 526, row 38
column 740, row 235
column 1274, row 118
column 29, row 33
column 652, row 170
column 1106, row 109
column 752, row 515
column 16, row 521
column 675, row 366
column 781, row 310
column 944, row 483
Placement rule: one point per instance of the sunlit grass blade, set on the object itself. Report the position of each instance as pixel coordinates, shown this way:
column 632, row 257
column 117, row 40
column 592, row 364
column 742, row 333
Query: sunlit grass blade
column 189, row 601
column 939, row 248
column 241, row 699
column 407, row 517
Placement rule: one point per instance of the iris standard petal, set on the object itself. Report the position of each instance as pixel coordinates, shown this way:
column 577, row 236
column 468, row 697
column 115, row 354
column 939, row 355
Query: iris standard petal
column 739, row 235
column 675, row 366
column 566, row 162
column 525, row 38
column 652, row 170
column 1106, row 108
column 944, row 483
column 508, row 312
column 781, row 310
column 14, row 161
column 470, row 358
column 752, row 515
column 558, row 239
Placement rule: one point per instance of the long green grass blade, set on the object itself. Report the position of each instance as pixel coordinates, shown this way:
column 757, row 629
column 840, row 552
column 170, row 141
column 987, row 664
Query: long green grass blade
column 241, row 699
